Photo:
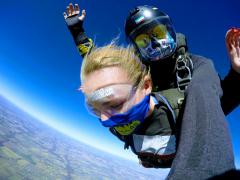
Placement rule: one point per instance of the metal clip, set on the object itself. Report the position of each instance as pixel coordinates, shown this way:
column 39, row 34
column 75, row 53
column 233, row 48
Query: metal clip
column 183, row 73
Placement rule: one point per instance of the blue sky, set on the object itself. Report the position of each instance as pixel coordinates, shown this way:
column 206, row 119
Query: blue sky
column 39, row 63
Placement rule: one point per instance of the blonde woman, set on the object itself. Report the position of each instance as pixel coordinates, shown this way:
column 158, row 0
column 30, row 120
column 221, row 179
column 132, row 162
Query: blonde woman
column 194, row 142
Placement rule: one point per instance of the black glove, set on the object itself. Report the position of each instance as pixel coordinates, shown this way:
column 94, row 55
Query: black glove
column 75, row 26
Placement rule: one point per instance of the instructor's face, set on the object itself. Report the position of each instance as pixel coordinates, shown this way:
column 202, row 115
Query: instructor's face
column 109, row 91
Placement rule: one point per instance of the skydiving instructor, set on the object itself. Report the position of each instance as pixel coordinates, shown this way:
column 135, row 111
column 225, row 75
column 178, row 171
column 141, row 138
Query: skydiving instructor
column 171, row 65
column 179, row 75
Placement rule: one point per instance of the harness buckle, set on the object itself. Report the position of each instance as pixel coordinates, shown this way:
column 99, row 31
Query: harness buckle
column 184, row 72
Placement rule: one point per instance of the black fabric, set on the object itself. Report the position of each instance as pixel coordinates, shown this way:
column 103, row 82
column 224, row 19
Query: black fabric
column 231, row 92
column 229, row 175
column 204, row 148
column 154, row 162
column 159, row 123
column 81, row 39
column 75, row 26
column 163, row 74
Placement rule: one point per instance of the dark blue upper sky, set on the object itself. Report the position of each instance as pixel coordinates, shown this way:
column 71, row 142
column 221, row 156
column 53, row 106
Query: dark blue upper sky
column 39, row 63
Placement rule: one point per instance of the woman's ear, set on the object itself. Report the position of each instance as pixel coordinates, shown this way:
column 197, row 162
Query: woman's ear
column 147, row 86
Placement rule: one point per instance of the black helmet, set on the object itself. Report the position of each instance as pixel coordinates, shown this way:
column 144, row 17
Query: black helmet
column 151, row 32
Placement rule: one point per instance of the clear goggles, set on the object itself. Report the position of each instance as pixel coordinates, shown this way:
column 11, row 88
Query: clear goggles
column 111, row 100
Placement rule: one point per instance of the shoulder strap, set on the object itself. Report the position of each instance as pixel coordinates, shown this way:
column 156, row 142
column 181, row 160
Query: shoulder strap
column 162, row 100
column 184, row 65
column 181, row 43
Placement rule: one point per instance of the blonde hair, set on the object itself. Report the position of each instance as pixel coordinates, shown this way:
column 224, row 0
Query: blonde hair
column 116, row 56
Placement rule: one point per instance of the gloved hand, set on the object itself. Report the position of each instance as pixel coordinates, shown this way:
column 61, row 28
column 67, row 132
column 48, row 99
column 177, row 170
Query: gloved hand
column 74, row 20
column 233, row 47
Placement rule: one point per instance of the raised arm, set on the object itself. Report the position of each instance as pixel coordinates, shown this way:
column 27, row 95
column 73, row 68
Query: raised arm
column 231, row 84
column 74, row 20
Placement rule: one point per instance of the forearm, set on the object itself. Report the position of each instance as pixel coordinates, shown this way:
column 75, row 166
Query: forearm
column 75, row 26
column 83, row 43
column 231, row 88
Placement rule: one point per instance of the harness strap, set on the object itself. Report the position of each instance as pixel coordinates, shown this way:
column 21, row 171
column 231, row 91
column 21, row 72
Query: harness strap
column 162, row 99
